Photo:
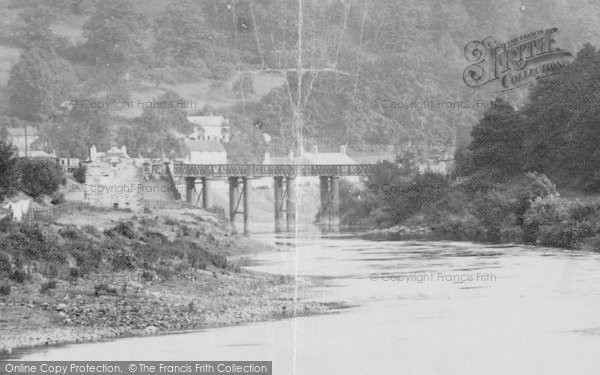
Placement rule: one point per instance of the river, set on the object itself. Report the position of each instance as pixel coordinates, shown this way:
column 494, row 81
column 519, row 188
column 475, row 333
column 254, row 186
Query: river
column 411, row 308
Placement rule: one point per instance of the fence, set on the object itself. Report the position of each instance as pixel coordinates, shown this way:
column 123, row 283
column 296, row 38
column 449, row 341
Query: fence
column 54, row 212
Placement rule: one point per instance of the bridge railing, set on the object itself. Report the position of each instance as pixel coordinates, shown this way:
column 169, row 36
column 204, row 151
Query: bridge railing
column 270, row 170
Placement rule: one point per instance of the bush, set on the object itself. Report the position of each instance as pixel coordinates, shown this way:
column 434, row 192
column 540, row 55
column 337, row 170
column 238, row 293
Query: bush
column 57, row 198
column 5, row 266
column 79, row 174
column 40, row 176
column 9, row 181
column 104, row 289
column 124, row 229
column 5, row 290
column 19, row 276
column 74, row 273
column 565, row 235
column 47, row 286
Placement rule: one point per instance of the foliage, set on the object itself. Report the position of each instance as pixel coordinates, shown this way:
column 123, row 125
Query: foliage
column 48, row 285
column 40, row 176
column 79, row 174
column 5, row 289
column 182, row 34
column 9, row 177
column 497, row 140
column 35, row 31
column 114, row 34
column 38, row 84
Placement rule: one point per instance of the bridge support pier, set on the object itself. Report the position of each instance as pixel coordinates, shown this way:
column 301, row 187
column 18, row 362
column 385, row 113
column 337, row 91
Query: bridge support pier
column 278, row 202
column 246, row 191
column 206, row 193
column 290, row 208
column 324, row 210
column 335, row 203
column 233, row 194
column 190, row 189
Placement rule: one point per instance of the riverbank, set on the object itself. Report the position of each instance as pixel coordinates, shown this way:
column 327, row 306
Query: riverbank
column 73, row 313
column 146, row 274
column 528, row 209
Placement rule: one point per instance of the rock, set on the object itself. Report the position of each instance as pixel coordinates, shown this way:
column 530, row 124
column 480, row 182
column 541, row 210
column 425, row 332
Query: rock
column 61, row 307
column 150, row 330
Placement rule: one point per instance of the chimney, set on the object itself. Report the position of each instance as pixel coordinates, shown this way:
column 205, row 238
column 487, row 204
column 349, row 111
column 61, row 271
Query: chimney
column 343, row 149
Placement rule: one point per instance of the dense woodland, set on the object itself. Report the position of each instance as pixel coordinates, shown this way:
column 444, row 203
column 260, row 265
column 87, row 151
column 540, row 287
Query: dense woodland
column 352, row 52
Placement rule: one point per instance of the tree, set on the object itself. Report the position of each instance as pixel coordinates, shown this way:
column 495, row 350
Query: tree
column 149, row 133
column 40, row 176
column 35, row 30
column 181, row 34
column 72, row 133
column 114, row 35
column 496, row 144
column 9, row 177
column 561, row 134
column 38, row 84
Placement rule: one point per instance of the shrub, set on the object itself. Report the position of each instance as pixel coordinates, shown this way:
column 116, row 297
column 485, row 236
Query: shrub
column 57, row 198
column 529, row 187
column 19, row 276
column 74, row 273
column 40, row 176
column 5, row 290
column 8, row 170
column 5, row 266
column 100, row 289
column 47, row 286
column 565, row 235
column 125, row 229
column 79, row 174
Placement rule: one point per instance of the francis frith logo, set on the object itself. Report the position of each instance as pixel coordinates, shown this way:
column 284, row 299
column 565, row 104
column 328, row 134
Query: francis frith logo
column 515, row 63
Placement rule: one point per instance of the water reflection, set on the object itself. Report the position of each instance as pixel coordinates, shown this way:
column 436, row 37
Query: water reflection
column 538, row 315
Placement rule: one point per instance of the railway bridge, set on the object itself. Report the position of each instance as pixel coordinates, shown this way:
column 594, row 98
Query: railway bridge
column 284, row 177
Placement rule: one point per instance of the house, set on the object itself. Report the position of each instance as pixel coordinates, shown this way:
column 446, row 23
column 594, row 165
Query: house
column 22, row 138
column 112, row 180
column 210, row 128
column 69, row 164
column 315, row 157
column 205, row 152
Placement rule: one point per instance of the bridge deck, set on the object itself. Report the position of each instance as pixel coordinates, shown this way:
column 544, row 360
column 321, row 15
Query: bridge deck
column 268, row 170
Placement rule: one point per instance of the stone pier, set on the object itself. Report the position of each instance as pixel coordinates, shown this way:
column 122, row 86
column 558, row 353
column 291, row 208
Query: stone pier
column 278, row 202
column 233, row 195
column 290, row 209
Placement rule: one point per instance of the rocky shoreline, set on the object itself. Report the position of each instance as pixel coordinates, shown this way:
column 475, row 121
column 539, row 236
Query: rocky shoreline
column 75, row 314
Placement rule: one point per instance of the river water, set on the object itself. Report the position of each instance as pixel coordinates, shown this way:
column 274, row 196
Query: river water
column 412, row 308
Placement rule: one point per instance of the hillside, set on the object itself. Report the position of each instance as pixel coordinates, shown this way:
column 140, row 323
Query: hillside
column 231, row 57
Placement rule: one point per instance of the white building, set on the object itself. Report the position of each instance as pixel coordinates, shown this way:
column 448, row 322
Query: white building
column 210, row 128
column 205, row 152
column 315, row 158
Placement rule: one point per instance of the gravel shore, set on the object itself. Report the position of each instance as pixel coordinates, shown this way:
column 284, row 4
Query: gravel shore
column 73, row 313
